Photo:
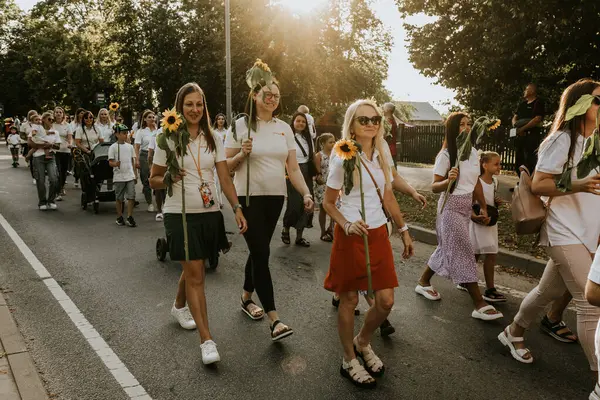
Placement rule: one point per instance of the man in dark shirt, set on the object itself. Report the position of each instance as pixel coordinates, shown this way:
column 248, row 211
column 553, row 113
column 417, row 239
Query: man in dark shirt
column 528, row 122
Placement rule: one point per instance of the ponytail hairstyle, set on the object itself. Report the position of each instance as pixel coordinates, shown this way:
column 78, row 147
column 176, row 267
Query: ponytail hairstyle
column 486, row 157
column 324, row 138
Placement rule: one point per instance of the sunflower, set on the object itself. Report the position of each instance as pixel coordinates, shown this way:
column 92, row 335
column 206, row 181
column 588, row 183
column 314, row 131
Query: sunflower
column 260, row 64
column 495, row 125
column 171, row 120
column 345, row 149
column 113, row 106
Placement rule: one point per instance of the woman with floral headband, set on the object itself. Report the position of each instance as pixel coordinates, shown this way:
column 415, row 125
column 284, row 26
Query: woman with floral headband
column 370, row 177
column 571, row 231
column 266, row 145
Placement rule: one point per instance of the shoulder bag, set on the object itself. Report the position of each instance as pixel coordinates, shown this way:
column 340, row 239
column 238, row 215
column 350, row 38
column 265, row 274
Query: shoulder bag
column 389, row 221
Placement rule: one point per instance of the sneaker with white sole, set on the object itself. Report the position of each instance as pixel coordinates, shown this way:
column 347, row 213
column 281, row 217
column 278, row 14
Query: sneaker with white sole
column 184, row 317
column 151, row 208
column 159, row 217
column 34, row 182
column 58, row 198
column 43, row 207
column 595, row 395
column 76, row 184
column 209, row 352
column 52, row 206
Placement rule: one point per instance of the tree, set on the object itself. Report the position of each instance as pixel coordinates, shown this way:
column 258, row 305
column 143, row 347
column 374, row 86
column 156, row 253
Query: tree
column 487, row 51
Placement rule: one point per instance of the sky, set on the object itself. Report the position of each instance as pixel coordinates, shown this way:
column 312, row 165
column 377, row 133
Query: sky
column 404, row 81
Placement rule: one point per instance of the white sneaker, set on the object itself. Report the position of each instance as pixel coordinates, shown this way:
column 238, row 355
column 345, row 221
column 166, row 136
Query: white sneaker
column 159, row 217
column 184, row 317
column 209, row 352
column 76, row 185
column 53, row 206
column 151, row 208
column 43, row 207
column 58, row 198
column 34, row 182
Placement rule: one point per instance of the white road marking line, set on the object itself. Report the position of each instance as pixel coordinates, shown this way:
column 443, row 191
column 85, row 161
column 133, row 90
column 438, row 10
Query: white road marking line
column 116, row 367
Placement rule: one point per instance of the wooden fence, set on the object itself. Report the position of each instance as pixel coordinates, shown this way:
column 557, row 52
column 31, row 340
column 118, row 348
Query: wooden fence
column 420, row 144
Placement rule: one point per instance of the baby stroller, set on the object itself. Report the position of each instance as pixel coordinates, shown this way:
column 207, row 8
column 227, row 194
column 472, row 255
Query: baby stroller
column 95, row 175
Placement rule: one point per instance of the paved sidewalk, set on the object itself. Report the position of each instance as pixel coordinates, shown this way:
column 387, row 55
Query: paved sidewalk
column 19, row 379
column 421, row 178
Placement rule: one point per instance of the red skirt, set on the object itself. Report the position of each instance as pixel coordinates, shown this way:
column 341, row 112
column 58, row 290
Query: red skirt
column 348, row 267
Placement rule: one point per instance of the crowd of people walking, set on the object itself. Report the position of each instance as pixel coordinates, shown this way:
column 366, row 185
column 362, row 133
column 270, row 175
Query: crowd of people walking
column 293, row 167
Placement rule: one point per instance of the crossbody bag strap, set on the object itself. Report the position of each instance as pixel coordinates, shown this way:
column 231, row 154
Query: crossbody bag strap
column 301, row 147
column 387, row 215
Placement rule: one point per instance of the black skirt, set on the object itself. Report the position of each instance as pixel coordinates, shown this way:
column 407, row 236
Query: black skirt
column 295, row 216
column 206, row 236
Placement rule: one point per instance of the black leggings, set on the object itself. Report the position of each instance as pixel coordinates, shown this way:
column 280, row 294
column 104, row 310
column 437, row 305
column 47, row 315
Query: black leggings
column 62, row 163
column 262, row 216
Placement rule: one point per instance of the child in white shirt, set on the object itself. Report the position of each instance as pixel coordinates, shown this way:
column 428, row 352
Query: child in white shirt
column 121, row 156
column 14, row 143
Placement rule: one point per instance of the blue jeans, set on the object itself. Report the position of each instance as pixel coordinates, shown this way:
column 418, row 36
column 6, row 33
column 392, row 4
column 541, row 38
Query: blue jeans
column 42, row 168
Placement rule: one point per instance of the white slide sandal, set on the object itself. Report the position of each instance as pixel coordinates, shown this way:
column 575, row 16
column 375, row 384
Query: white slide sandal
column 425, row 291
column 507, row 340
column 481, row 314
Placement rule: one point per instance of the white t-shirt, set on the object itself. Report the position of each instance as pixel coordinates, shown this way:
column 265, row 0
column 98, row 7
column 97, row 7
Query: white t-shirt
column 270, row 148
column 143, row 137
column 124, row 153
column 41, row 136
column 105, row 130
column 574, row 218
column 469, row 171
column 152, row 144
column 93, row 135
column 594, row 274
column 63, row 130
column 302, row 159
column 14, row 140
column 350, row 204
column 193, row 200
column 220, row 133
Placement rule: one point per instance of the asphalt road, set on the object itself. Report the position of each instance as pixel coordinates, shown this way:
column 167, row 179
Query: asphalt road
column 112, row 275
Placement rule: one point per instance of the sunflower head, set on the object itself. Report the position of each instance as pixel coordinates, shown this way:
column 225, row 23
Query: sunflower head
column 495, row 125
column 345, row 149
column 114, row 106
column 171, row 120
column 259, row 74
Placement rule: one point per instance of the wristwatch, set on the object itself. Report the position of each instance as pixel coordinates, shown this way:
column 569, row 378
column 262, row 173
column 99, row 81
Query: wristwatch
column 235, row 207
column 403, row 229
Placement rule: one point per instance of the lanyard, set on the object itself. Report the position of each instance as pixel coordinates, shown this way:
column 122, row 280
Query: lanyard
column 197, row 163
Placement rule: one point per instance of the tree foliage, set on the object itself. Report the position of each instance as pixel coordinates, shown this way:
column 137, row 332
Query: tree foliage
column 139, row 53
column 489, row 50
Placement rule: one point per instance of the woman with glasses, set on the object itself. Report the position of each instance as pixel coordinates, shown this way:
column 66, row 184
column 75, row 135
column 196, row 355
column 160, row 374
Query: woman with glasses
column 454, row 256
column 269, row 150
column 87, row 136
column 143, row 137
column 63, row 155
column 571, row 231
column 295, row 216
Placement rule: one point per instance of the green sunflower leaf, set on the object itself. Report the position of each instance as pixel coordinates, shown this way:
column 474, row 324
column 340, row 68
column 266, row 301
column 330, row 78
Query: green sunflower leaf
column 580, row 107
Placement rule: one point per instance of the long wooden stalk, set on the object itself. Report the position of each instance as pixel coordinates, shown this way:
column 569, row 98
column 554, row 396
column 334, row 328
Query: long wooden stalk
column 365, row 238
column 248, row 160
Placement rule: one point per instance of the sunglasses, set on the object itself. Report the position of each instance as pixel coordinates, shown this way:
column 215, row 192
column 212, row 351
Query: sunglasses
column 596, row 100
column 376, row 120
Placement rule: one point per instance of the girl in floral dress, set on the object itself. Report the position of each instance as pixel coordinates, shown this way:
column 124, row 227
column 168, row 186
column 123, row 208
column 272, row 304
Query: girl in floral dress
column 326, row 142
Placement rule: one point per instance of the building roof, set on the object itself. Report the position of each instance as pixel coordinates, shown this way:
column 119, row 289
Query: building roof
column 422, row 111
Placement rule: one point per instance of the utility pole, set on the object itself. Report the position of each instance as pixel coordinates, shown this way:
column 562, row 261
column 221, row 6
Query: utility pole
column 228, row 62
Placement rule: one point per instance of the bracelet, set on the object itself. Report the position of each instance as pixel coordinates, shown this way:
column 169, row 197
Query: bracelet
column 307, row 195
column 236, row 207
column 403, row 229
column 347, row 226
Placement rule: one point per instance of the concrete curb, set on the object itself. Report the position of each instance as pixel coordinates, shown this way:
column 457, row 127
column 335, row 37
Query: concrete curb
column 27, row 379
column 524, row 262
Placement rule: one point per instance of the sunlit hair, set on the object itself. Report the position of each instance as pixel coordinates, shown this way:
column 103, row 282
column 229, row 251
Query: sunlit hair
column 303, row 109
column 323, row 138
column 189, row 88
column 30, row 115
column 486, row 157
column 107, row 115
column 378, row 142
column 145, row 114
column 63, row 113
column 576, row 125
column 215, row 125
column 79, row 111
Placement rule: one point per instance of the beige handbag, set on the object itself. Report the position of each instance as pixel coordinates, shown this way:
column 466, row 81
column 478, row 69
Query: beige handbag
column 528, row 210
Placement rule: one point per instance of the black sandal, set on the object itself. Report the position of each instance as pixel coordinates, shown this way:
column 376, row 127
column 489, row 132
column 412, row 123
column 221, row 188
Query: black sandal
column 245, row 305
column 552, row 329
column 369, row 357
column 282, row 334
column 302, row 242
column 491, row 295
column 326, row 237
column 285, row 236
